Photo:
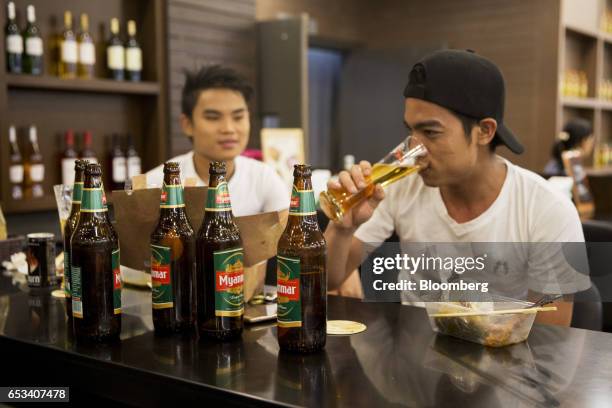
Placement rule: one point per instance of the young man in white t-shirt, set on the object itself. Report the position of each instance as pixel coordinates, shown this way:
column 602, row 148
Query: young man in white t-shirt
column 464, row 192
column 215, row 116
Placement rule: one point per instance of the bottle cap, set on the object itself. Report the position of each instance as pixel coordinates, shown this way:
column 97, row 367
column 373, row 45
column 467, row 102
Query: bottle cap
column 93, row 169
column 172, row 167
column 33, row 134
column 217, row 167
column 31, row 14
column 131, row 26
column 11, row 10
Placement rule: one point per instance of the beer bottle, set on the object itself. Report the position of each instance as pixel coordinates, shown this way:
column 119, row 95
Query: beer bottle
column 301, row 273
column 220, row 278
column 173, row 259
column 96, row 281
column 70, row 226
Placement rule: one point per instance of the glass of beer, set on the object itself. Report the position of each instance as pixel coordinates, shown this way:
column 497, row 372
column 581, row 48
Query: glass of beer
column 396, row 165
column 63, row 199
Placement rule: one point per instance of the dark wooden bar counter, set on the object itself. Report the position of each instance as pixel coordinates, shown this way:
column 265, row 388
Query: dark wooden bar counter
column 397, row 361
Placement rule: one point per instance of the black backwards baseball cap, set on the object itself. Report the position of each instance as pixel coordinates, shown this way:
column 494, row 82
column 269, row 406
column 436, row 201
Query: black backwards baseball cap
column 466, row 83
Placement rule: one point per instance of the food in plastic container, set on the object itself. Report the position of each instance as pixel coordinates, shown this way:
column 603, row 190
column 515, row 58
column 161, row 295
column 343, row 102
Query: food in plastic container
column 490, row 330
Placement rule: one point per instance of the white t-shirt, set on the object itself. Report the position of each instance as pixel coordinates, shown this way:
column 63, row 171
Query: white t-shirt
column 527, row 210
column 254, row 187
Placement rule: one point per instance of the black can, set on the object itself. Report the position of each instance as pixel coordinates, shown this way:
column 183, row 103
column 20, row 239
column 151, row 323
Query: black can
column 41, row 260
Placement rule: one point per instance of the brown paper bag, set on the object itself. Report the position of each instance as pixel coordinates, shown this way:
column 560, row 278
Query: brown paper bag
column 137, row 213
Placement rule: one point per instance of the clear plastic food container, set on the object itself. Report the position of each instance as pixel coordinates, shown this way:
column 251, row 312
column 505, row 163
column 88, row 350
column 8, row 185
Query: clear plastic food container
column 490, row 330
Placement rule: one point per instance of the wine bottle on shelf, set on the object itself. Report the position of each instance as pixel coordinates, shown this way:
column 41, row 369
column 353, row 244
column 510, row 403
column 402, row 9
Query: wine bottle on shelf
column 133, row 54
column 33, row 57
column 87, row 152
column 68, row 50
column 15, row 166
column 34, row 169
column 87, row 50
column 115, row 58
column 118, row 164
column 134, row 167
column 14, row 42
column 68, row 159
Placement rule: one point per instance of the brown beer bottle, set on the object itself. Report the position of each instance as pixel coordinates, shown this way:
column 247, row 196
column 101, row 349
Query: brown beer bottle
column 220, row 271
column 70, row 226
column 96, row 280
column 173, row 259
column 301, row 273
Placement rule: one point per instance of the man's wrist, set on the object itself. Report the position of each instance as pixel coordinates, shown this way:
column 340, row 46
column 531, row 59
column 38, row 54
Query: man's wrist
column 341, row 230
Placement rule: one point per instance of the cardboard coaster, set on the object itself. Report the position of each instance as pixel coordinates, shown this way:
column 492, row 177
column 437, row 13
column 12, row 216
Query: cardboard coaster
column 58, row 293
column 344, row 327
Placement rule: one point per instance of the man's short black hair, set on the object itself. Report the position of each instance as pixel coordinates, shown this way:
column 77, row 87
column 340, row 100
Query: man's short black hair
column 211, row 77
column 468, row 124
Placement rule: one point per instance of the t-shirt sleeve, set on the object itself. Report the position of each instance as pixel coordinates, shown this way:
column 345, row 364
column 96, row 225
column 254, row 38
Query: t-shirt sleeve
column 380, row 227
column 276, row 195
column 558, row 260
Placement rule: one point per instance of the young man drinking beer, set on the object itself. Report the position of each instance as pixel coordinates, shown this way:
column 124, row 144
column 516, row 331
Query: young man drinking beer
column 215, row 116
column 463, row 192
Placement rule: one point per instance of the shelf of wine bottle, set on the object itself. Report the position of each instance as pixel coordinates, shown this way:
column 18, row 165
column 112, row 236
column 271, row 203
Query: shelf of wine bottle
column 80, row 85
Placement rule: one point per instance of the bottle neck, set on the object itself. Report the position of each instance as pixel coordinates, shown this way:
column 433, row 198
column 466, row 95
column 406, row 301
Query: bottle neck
column 31, row 15
column 302, row 207
column 68, row 22
column 11, row 12
column 84, row 23
column 114, row 27
column 93, row 205
column 77, row 189
column 172, row 199
column 218, row 203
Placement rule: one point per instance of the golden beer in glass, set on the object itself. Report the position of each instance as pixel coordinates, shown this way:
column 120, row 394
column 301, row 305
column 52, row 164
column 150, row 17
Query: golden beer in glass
column 399, row 163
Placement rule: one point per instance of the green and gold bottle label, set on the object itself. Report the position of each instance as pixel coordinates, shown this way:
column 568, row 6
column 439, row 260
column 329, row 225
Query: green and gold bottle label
column 172, row 196
column 289, row 311
column 77, row 293
column 66, row 273
column 302, row 202
column 116, row 282
column 160, row 277
column 77, row 192
column 93, row 200
column 229, row 282
column 218, row 198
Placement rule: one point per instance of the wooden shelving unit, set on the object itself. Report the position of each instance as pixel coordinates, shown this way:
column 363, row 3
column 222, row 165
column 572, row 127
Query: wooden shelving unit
column 97, row 85
column 583, row 45
column 100, row 105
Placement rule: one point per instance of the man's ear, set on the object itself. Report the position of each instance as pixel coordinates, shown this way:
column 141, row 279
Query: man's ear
column 186, row 125
column 486, row 131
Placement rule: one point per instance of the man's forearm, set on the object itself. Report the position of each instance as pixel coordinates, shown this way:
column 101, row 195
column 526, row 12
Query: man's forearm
column 562, row 317
column 338, row 250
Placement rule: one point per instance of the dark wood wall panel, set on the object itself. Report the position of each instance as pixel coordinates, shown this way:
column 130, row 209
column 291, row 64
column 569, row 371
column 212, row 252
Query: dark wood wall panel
column 522, row 37
column 204, row 32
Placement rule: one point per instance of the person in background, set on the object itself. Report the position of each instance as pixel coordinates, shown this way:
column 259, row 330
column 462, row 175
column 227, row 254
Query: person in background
column 215, row 117
column 577, row 134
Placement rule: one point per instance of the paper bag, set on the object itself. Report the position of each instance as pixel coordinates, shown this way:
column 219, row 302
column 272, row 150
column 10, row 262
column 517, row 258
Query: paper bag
column 137, row 214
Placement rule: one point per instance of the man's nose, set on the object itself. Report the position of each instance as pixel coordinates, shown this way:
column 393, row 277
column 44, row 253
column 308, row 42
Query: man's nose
column 227, row 126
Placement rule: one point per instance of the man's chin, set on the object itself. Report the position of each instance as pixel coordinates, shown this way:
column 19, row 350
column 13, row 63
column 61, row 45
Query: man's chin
column 428, row 180
column 227, row 155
